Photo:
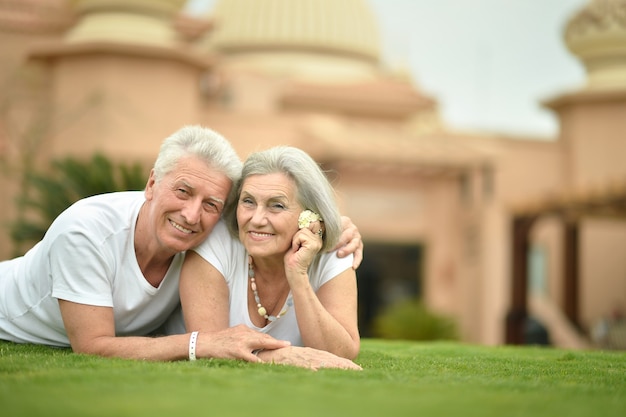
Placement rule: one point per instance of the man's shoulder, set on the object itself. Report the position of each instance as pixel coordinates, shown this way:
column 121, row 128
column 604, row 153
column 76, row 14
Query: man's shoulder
column 118, row 208
column 112, row 199
column 219, row 239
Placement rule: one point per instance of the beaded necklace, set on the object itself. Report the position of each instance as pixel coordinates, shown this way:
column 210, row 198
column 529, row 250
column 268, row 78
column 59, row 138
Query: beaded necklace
column 260, row 309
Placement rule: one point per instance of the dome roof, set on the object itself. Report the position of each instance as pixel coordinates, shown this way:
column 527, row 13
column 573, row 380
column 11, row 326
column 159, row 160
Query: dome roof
column 344, row 27
column 126, row 21
column 597, row 35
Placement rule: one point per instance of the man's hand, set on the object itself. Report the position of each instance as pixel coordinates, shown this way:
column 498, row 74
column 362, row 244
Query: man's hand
column 350, row 242
column 305, row 357
column 236, row 343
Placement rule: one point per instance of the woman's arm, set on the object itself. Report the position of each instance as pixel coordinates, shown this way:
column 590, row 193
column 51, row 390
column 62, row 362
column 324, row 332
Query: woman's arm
column 328, row 319
column 205, row 299
column 204, row 295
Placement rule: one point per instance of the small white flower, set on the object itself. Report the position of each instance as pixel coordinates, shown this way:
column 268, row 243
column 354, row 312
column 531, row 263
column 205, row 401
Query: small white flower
column 306, row 218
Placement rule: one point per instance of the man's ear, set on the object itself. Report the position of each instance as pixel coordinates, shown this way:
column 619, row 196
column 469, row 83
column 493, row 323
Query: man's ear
column 149, row 191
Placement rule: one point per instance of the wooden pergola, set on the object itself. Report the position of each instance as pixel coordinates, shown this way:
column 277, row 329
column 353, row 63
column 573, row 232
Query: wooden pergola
column 571, row 208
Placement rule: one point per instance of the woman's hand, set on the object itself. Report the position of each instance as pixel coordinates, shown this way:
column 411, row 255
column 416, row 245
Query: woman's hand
column 306, row 243
column 305, row 357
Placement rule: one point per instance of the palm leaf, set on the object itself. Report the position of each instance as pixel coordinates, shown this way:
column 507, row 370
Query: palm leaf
column 47, row 193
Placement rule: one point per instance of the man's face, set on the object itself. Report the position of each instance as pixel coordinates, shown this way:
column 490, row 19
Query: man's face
column 186, row 204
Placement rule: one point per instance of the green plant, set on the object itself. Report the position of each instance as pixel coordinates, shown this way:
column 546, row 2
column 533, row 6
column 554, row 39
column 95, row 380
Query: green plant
column 411, row 320
column 47, row 193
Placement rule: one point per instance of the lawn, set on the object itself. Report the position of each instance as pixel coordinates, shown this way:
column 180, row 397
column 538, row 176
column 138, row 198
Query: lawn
column 399, row 379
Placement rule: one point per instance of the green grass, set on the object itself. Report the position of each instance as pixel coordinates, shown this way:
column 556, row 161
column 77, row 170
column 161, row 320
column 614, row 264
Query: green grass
column 399, row 379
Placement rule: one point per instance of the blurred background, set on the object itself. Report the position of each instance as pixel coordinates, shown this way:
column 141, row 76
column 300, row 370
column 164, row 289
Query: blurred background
column 478, row 145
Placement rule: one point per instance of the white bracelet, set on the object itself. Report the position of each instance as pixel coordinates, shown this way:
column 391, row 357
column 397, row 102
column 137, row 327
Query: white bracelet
column 192, row 346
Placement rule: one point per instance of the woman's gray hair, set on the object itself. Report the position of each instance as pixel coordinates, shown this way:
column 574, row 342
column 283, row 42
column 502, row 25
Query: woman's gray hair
column 203, row 143
column 314, row 191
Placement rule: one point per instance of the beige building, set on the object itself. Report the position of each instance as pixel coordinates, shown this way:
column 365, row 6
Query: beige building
column 487, row 229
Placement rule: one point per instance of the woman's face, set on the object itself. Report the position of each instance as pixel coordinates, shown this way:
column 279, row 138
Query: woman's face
column 267, row 214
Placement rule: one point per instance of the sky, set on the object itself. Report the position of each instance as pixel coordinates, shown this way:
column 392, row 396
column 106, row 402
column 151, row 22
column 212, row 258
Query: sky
column 488, row 63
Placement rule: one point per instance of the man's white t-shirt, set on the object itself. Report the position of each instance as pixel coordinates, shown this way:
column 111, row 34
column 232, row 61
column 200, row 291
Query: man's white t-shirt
column 229, row 256
column 87, row 256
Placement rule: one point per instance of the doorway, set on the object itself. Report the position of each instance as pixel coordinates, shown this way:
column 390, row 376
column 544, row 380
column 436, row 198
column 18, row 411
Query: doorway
column 388, row 274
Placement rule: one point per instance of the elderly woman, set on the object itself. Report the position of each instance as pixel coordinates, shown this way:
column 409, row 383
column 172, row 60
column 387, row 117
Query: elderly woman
column 274, row 269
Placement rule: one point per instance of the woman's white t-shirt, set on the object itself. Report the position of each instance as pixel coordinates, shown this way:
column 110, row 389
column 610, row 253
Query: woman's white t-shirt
column 229, row 257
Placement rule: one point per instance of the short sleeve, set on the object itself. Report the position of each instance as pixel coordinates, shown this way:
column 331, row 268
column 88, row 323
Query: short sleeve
column 220, row 250
column 327, row 267
column 79, row 270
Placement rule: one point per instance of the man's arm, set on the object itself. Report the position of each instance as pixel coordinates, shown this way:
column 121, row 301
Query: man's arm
column 91, row 330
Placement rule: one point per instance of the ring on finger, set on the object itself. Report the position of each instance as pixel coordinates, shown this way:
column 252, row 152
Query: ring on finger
column 320, row 233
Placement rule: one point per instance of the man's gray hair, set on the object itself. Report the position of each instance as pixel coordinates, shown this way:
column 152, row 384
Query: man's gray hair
column 202, row 143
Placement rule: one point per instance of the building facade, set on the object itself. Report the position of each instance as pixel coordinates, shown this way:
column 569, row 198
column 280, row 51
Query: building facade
column 487, row 229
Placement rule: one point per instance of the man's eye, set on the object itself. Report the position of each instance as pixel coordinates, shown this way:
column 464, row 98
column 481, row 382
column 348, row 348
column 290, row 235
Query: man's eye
column 211, row 207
